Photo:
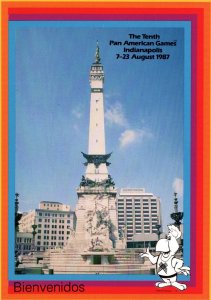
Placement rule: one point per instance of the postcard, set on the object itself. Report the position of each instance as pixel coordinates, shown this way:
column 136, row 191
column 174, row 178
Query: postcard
column 105, row 150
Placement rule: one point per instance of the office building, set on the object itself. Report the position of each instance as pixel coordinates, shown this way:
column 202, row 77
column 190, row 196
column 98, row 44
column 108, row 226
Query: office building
column 138, row 214
column 55, row 223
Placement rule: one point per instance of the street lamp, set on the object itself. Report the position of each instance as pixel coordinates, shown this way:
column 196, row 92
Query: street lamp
column 17, row 219
column 177, row 216
column 17, row 214
column 34, row 227
column 158, row 227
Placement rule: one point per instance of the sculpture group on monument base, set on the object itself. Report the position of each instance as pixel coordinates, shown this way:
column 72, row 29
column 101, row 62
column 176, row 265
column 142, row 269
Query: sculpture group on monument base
column 123, row 236
column 99, row 229
column 106, row 183
column 71, row 240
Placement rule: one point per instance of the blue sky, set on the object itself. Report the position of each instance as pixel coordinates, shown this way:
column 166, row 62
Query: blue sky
column 143, row 113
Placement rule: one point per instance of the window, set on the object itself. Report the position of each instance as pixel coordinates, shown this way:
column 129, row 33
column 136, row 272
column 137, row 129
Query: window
column 40, row 214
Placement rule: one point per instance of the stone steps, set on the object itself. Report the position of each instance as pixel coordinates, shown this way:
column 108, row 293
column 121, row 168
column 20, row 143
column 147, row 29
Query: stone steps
column 69, row 261
column 102, row 269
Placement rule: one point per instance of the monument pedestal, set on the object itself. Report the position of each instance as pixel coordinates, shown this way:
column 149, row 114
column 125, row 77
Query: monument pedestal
column 96, row 228
column 97, row 258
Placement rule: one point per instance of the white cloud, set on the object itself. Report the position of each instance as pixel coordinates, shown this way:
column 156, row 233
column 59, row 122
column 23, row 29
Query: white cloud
column 77, row 112
column 111, row 95
column 178, row 186
column 131, row 136
column 114, row 115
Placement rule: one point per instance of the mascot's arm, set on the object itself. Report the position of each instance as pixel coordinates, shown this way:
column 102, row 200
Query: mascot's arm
column 179, row 268
column 151, row 257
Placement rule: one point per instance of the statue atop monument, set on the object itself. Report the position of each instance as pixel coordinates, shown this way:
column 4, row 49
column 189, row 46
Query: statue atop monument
column 97, row 54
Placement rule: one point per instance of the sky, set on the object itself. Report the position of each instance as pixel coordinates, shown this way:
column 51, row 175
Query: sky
column 144, row 111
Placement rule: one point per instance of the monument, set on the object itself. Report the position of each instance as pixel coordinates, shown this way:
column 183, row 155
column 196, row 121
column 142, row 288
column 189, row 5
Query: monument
column 96, row 212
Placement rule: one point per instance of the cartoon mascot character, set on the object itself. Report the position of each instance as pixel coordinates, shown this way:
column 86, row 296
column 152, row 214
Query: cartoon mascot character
column 167, row 265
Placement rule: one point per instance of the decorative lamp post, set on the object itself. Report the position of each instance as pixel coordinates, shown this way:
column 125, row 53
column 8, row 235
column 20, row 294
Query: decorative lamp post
column 177, row 216
column 158, row 227
column 17, row 214
column 34, row 227
column 17, row 219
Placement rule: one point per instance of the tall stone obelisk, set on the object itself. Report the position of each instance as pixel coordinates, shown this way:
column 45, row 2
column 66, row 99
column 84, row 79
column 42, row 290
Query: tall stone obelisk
column 96, row 227
column 96, row 147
